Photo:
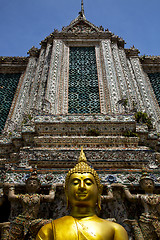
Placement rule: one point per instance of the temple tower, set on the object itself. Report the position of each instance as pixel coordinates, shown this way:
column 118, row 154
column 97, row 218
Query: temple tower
column 81, row 88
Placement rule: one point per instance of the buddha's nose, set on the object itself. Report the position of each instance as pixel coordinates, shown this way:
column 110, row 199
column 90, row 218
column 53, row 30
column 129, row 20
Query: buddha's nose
column 82, row 185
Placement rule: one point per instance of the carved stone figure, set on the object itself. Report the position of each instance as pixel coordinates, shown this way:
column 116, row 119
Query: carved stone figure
column 31, row 204
column 108, row 198
column 149, row 220
column 109, row 195
column 83, row 192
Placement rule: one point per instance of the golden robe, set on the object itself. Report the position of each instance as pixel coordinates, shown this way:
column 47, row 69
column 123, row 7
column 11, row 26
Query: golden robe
column 88, row 228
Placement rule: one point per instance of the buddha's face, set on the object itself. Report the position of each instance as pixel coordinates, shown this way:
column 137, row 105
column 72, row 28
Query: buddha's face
column 82, row 190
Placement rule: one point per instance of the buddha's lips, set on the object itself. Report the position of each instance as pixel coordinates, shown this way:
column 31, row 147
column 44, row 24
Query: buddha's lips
column 80, row 194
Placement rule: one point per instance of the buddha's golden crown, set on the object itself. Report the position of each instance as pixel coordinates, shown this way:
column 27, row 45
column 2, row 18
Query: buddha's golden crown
column 83, row 167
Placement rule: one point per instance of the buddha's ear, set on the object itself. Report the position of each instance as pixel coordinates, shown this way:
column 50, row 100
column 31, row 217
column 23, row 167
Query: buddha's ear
column 99, row 203
column 99, row 197
column 100, row 190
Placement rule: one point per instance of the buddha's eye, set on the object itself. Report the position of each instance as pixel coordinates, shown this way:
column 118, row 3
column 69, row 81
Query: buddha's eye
column 88, row 182
column 75, row 182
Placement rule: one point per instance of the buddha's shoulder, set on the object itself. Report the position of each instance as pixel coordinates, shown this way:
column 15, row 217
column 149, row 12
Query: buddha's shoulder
column 113, row 224
column 110, row 224
column 46, row 232
column 63, row 220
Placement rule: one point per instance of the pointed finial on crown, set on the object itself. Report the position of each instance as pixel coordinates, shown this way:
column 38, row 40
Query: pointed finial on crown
column 82, row 157
column 83, row 167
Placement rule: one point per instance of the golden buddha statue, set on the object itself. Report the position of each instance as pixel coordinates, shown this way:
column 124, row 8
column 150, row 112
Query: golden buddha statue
column 83, row 192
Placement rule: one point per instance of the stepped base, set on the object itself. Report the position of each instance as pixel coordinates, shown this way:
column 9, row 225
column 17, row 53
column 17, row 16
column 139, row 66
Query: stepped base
column 88, row 142
column 98, row 157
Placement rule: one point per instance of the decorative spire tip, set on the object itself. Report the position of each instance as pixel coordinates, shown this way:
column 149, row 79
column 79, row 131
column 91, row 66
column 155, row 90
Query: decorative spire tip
column 81, row 13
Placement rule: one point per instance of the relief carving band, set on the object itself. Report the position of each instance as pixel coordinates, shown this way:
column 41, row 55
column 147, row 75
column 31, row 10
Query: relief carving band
column 83, row 193
column 26, row 224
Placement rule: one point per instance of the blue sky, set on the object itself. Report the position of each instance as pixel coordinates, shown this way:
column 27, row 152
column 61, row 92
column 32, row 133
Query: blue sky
column 24, row 23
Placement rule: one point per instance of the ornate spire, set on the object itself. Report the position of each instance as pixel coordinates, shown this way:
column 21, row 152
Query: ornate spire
column 82, row 7
column 81, row 13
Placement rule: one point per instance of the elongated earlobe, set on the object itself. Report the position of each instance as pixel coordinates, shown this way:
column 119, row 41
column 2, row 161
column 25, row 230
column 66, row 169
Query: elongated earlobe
column 67, row 203
column 99, row 202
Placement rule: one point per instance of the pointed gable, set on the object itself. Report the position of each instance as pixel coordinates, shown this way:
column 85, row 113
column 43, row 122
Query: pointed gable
column 81, row 25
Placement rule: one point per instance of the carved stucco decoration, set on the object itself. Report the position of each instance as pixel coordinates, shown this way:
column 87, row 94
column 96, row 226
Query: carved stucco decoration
column 81, row 25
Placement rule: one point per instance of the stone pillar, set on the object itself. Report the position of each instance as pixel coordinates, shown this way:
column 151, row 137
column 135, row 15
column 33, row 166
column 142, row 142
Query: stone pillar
column 54, row 75
column 102, row 93
column 120, row 75
column 132, row 92
column 36, row 80
column 144, row 86
column 156, row 109
column 111, row 77
column 141, row 83
column 62, row 105
column 21, row 98
column 139, row 102
column 44, row 76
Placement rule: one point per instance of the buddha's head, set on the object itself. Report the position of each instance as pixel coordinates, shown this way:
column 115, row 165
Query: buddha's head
column 82, row 185
column 33, row 183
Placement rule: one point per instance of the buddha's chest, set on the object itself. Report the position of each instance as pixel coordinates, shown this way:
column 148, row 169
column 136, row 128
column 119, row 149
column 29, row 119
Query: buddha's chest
column 94, row 231
column 83, row 230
